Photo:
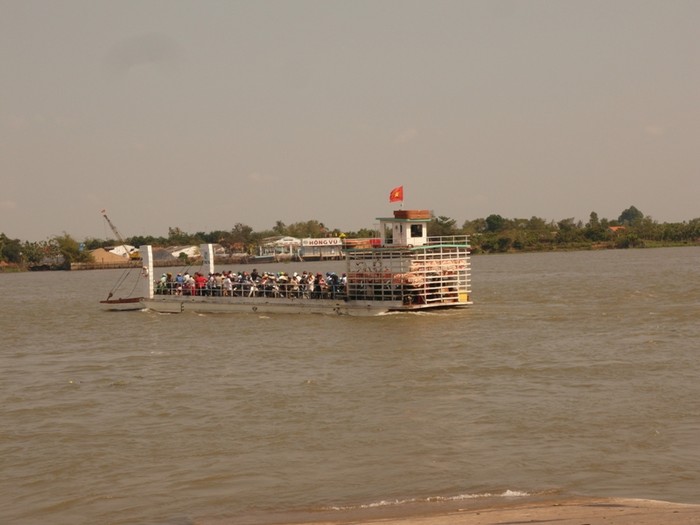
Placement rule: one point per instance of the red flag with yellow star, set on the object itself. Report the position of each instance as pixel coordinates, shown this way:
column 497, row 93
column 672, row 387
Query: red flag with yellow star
column 396, row 194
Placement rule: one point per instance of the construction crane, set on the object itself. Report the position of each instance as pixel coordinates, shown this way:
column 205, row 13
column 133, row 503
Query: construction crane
column 118, row 235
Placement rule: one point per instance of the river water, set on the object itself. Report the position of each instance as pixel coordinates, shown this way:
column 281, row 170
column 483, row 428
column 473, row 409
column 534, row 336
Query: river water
column 572, row 374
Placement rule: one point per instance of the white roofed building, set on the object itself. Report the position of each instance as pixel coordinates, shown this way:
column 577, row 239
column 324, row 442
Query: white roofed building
column 124, row 250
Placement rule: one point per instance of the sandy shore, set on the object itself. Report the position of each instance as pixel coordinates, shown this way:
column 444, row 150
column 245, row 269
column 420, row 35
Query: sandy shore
column 580, row 511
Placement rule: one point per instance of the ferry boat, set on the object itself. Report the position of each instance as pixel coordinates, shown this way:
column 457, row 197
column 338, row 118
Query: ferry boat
column 406, row 271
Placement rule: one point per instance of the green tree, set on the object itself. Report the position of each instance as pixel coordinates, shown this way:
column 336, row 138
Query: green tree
column 215, row 237
column 629, row 240
column 649, row 229
column 538, row 224
column 177, row 236
column 569, row 231
column 141, row 240
column 593, row 221
column 10, row 249
column 495, row 223
column 504, row 243
column 280, row 228
column 594, row 230
column 312, row 228
column 692, row 230
column 362, row 233
column 441, row 226
column 33, row 252
column 475, row 226
column 241, row 232
column 93, row 244
column 69, row 248
column 630, row 217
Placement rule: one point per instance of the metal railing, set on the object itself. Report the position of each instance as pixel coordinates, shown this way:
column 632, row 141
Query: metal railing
column 435, row 275
column 448, row 239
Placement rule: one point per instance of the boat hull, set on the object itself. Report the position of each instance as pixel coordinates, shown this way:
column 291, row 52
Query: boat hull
column 123, row 305
column 275, row 305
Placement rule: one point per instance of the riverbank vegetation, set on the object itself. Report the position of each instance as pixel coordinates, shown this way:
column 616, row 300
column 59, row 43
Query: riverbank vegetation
column 492, row 234
column 631, row 229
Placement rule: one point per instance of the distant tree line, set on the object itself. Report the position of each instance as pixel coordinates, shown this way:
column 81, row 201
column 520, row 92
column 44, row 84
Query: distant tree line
column 493, row 234
column 632, row 229
column 57, row 252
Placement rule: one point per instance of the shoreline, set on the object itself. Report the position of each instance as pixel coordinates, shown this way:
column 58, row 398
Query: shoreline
column 564, row 511
column 555, row 510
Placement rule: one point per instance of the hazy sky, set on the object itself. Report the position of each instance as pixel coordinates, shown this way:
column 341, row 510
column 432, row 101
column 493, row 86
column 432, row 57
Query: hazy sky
column 203, row 114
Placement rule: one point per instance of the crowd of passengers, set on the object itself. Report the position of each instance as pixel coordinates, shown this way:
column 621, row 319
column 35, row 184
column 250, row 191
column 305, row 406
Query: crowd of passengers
column 254, row 284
